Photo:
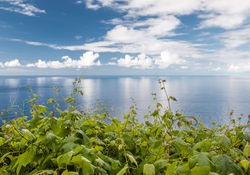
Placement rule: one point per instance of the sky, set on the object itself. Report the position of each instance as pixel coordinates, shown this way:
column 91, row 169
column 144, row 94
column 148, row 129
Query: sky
column 124, row 37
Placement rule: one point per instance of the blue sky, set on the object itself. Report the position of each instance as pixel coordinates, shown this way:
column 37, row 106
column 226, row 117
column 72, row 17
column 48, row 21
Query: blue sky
column 124, row 37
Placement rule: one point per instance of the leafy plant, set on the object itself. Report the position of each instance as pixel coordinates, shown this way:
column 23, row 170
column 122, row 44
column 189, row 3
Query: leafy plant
column 93, row 142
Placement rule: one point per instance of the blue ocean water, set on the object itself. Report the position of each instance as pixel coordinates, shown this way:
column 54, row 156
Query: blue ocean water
column 210, row 97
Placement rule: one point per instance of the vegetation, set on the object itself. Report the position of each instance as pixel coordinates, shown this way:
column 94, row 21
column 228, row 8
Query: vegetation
column 71, row 141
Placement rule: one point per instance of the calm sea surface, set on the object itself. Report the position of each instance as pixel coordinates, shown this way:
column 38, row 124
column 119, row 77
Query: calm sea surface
column 210, row 97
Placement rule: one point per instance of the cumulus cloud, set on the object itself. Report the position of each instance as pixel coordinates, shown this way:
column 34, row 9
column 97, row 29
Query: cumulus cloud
column 240, row 67
column 141, row 61
column 86, row 60
column 167, row 58
column 12, row 63
column 20, row 6
column 145, row 62
column 9, row 64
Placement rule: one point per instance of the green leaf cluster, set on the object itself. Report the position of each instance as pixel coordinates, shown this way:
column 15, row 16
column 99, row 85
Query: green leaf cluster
column 93, row 142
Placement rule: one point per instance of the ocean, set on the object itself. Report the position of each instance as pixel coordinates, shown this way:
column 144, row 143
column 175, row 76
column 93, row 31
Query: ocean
column 210, row 98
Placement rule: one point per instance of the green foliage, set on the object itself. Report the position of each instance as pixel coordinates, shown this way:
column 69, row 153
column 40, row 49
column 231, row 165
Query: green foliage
column 93, row 142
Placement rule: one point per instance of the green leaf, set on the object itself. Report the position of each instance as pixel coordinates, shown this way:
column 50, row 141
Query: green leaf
column 202, row 170
column 69, row 146
column 171, row 170
column 84, row 164
column 246, row 151
column 132, row 159
column 66, row 172
column 50, row 100
column 182, row 147
column 3, row 157
column 223, row 141
column 160, row 164
column 115, row 164
column 213, row 173
column 24, row 159
column 245, row 164
column 204, row 145
column 225, row 165
column 100, row 171
column 173, row 98
column 159, row 105
column 199, row 159
column 27, row 134
column 103, row 164
column 123, row 170
column 2, row 140
column 64, row 159
column 49, row 138
column 42, row 108
column 43, row 172
column 78, row 149
column 148, row 169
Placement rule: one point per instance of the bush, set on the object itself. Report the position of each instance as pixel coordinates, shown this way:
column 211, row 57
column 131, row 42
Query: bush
column 80, row 142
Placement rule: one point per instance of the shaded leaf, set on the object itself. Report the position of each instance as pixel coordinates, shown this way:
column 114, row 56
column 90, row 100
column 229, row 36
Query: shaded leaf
column 148, row 169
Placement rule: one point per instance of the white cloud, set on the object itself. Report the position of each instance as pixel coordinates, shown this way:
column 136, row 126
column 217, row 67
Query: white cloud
column 218, row 69
column 167, row 58
column 222, row 21
column 145, row 62
column 225, row 13
column 227, row 56
column 152, row 26
column 121, row 34
column 11, row 63
column 215, row 12
column 235, row 38
column 20, row 6
column 79, row 1
column 148, row 7
column 146, row 26
column 241, row 67
column 89, row 4
column 141, row 61
column 86, row 60
column 100, row 46
column 147, row 45
column 184, row 67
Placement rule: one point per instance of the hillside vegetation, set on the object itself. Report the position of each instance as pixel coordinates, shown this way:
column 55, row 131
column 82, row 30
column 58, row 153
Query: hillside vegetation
column 70, row 142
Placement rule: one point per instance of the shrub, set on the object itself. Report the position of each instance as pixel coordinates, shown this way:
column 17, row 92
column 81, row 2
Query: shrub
column 81, row 142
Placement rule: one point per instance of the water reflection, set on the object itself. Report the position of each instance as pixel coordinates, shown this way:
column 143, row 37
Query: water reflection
column 12, row 82
column 211, row 97
column 91, row 90
column 41, row 81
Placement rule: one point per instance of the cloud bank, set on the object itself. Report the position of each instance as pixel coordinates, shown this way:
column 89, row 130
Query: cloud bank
column 9, row 64
column 150, row 27
column 86, row 60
